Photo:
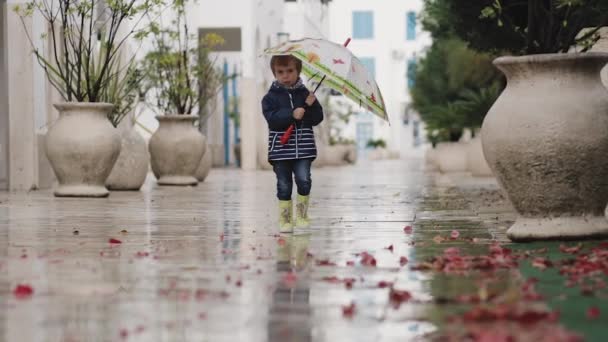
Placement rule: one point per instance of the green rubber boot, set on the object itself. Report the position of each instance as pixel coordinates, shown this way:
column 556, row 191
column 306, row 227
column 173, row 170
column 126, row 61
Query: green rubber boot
column 285, row 217
column 302, row 220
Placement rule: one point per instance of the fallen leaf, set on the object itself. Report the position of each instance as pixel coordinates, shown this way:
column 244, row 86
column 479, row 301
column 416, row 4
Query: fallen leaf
column 593, row 312
column 367, row 259
column 398, row 296
column 570, row 250
column 23, row 291
column 438, row 239
column 349, row 310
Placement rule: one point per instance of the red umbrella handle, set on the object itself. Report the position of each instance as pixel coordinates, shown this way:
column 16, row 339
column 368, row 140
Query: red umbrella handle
column 286, row 135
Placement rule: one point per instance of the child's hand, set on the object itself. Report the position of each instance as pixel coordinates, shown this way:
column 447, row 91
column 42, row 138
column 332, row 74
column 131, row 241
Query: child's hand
column 310, row 99
column 298, row 113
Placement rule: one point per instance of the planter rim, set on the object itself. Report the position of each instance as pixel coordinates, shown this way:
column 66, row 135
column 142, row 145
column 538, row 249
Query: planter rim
column 549, row 57
column 176, row 117
column 83, row 105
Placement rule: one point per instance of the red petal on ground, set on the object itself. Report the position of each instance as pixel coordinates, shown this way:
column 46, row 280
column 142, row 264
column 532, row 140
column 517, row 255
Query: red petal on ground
column 139, row 329
column 407, row 229
column 399, row 296
column 23, row 291
column 541, row 263
column 455, row 234
column 222, row 237
column 570, row 250
column 593, row 312
column 390, row 248
column 333, row 280
column 202, row 316
column 403, row 261
column 382, row 284
column 114, row 241
column 325, row 262
column 239, row 283
column 349, row 310
column 142, row 254
column 348, row 283
column 350, row 263
column 281, row 241
column 367, row 259
column 124, row 333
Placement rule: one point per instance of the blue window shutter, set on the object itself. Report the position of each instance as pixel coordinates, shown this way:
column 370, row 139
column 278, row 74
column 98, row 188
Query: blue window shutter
column 410, row 25
column 411, row 72
column 370, row 64
column 363, row 25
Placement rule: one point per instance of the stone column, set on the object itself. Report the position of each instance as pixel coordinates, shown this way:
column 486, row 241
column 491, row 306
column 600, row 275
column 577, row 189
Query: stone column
column 22, row 138
column 3, row 102
column 250, row 113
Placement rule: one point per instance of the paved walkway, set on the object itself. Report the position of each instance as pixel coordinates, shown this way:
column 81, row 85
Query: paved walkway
column 205, row 263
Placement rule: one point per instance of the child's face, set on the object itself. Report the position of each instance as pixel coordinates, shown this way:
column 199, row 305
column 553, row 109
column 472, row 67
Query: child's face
column 286, row 74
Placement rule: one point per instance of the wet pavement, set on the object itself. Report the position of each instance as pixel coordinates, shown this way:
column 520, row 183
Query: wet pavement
column 395, row 252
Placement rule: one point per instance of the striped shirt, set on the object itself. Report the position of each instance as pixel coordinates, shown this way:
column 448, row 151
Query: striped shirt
column 278, row 105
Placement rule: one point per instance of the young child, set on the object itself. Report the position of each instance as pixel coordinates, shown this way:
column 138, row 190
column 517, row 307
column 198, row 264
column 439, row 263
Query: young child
column 289, row 102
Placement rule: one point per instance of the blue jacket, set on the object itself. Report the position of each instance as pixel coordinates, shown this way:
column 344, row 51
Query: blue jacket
column 278, row 105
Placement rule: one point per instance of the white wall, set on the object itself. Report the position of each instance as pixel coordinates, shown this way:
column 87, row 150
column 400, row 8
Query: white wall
column 391, row 50
column 3, row 104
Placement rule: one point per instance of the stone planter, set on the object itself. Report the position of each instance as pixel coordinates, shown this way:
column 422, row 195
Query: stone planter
column 176, row 149
column 82, row 147
column 476, row 162
column 131, row 168
column 451, row 157
column 204, row 166
column 546, row 140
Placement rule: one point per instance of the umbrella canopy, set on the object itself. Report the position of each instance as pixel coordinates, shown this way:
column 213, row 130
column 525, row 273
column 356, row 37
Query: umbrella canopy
column 338, row 68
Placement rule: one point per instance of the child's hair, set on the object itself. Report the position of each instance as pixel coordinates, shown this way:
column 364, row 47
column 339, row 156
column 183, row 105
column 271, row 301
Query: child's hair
column 284, row 60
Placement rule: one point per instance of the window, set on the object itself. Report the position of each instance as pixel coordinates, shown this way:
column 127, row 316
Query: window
column 410, row 29
column 363, row 25
column 411, row 72
column 370, row 64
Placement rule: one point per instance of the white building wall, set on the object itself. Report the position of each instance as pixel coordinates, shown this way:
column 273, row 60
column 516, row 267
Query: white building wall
column 259, row 21
column 391, row 51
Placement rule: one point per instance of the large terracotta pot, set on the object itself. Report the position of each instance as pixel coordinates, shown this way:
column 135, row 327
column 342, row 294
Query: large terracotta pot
column 82, row 147
column 176, row 149
column 546, row 140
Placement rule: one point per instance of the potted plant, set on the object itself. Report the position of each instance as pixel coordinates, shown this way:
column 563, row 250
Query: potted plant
column 173, row 85
column 545, row 136
column 453, row 89
column 84, row 40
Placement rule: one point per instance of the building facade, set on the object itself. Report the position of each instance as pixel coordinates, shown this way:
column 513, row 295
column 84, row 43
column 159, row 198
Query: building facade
column 387, row 37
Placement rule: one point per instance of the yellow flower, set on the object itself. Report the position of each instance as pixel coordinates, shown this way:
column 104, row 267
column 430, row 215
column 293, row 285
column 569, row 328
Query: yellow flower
column 312, row 57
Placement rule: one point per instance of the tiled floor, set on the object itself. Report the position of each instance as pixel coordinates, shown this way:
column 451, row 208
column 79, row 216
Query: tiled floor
column 206, row 263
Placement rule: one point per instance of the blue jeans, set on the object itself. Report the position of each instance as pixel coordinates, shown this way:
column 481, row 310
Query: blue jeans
column 284, row 169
